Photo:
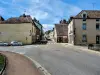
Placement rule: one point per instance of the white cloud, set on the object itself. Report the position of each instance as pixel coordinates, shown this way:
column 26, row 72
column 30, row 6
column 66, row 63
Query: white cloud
column 51, row 10
column 47, row 11
column 47, row 27
column 38, row 14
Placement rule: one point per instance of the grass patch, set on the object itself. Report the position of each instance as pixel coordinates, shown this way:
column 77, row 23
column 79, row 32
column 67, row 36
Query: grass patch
column 2, row 62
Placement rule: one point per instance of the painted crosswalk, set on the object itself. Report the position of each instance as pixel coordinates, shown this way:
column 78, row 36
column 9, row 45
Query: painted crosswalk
column 52, row 43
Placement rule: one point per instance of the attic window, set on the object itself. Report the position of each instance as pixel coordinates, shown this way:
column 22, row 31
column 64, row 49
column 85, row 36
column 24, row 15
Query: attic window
column 84, row 16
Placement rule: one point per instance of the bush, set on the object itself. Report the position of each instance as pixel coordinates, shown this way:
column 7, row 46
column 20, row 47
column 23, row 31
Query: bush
column 2, row 62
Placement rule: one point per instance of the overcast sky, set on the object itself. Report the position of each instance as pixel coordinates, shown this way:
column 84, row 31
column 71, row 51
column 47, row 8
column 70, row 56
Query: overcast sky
column 48, row 12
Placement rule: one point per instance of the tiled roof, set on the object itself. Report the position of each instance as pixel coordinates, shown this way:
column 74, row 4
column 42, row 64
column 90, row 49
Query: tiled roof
column 12, row 20
column 90, row 14
column 63, row 22
column 61, row 29
column 26, row 19
column 22, row 19
column 37, row 24
column 1, row 18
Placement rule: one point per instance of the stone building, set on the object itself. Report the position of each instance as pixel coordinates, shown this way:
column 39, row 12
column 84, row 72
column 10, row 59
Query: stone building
column 61, row 32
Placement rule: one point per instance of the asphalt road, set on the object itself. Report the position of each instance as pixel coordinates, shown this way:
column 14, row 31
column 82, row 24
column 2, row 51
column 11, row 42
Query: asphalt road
column 60, row 60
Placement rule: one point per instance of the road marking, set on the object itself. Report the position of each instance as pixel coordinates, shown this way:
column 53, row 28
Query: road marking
column 39, row 66
column 21, row 52
column 51, row 43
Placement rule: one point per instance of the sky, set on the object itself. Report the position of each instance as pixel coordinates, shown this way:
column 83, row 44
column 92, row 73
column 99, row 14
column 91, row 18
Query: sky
column 48, row 12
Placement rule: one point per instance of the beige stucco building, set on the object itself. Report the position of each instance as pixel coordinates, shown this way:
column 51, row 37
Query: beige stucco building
column 18, row 29
column 84, row 28
column 51, row 35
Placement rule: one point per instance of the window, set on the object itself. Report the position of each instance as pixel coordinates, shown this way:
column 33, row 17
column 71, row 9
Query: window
column 84, row 16
column 97, row 19
column 30, row 33
column 84, row 38
column 97, row 26
column 32, row 29
column 84, row 26
column 84, row 19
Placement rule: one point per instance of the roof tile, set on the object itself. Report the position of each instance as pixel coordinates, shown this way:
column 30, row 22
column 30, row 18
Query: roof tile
column 90, row 14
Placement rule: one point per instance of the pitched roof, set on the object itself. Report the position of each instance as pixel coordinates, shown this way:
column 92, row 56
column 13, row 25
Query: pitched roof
column 22, row 19
column 1, row 18
column 12, row 20
column 25, row 19
column 63, row 22
column 61, row 29
column 90, row 14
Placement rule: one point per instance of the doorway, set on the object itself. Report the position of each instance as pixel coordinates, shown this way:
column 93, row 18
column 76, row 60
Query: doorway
column 98, row 39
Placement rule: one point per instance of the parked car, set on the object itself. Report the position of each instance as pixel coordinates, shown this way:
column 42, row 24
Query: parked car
column 4, row 43
column 48, row 39
column 43, row 41
column 1, row 43
column 16, row 43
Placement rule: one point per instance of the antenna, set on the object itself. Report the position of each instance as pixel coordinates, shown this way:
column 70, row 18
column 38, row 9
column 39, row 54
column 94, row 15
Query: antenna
column 24, row 11
column 93, row 5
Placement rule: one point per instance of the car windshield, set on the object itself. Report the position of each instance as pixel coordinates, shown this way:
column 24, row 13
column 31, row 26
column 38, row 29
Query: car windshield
column 15, row 42
column 49, row 37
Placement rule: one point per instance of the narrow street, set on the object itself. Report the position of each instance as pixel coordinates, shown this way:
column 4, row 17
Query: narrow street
column 60, row 60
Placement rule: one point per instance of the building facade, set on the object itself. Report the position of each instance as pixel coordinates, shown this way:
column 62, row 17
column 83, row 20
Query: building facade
column 61, row 32
column 18, row 29
column 51, row 35
column 38, row 30
column 84, row 28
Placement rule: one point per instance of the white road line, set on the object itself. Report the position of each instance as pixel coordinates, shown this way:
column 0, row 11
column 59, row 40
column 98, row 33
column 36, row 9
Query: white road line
column 51, row 43
column 21, row 52
column 39, row 66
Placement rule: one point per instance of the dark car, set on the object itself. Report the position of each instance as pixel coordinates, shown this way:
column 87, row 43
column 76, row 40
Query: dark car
column 48, row 39
column 43, row 41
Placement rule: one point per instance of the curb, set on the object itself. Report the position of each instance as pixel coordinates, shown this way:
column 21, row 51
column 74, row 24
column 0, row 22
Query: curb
column 38, row 66
column 4, row 68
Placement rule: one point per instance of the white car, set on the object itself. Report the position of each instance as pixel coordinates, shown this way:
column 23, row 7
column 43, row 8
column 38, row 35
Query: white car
column 16, row 43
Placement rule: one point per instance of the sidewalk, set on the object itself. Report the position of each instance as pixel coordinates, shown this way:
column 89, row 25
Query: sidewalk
column 83, row 48
column 19, row 65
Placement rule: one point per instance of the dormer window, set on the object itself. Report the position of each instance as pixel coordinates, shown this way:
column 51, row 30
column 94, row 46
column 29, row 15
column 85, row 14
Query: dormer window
column 84, row 15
